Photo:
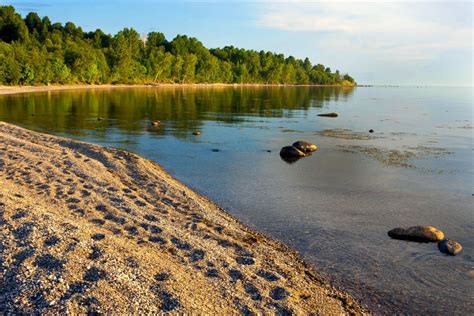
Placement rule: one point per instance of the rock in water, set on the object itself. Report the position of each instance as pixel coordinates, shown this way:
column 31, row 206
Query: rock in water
column 332, row 114
column 449, row 247
column 417, row 233
column 290, row 160
column 290, row 151
column 304, row 146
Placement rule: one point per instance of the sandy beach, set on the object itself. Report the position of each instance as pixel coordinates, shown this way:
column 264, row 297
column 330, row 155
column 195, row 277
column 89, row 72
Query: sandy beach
column 26, row 89
column 86, row 228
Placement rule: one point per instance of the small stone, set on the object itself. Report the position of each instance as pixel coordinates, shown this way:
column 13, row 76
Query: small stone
column 417, row 233
column 305, row 146
column 332, row 114
column 290, row 151
column 449, row 247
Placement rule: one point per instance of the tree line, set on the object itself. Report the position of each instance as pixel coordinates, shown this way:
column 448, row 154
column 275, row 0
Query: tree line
column 35, row 51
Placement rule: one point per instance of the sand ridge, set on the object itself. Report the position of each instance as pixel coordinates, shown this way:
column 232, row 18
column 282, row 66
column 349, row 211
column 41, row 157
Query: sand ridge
column 85, row 228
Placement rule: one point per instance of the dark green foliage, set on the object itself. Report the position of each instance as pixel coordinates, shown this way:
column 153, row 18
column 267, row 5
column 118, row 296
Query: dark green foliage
column 12, row 27
column 33, row 51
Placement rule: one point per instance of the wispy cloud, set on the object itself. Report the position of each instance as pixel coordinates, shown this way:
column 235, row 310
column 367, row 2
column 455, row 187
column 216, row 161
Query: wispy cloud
column 393, row 28
column 416, row 40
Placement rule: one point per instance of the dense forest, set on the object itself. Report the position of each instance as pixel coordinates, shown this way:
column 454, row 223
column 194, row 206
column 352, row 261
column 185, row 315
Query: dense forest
column 35, row 51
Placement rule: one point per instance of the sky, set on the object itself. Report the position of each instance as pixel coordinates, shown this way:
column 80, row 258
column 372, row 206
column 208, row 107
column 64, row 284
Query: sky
column 377, row 42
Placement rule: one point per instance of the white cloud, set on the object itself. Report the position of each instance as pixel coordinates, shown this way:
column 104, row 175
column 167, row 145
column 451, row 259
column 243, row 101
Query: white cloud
column 377, row 36
column 395, row 28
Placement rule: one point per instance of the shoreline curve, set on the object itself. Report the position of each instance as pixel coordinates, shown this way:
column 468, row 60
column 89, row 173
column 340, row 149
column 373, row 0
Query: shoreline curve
column 90, row 228
column 5, row 90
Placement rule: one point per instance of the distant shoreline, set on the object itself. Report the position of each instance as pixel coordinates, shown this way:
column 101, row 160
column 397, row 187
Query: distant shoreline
column 4, row 90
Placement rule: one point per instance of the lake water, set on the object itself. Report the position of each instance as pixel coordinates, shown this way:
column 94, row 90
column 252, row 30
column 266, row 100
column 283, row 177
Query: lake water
column 335, row 206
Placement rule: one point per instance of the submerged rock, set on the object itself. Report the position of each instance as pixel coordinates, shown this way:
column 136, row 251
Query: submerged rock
column 449, row 247
column 332, row 114
column 291, row 151
column 417, row 233
column 305, row 147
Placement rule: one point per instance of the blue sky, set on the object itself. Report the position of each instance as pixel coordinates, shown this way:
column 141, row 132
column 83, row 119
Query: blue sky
column 378, row 42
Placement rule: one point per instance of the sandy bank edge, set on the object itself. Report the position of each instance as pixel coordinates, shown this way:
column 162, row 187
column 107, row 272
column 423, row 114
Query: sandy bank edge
column 4, row 90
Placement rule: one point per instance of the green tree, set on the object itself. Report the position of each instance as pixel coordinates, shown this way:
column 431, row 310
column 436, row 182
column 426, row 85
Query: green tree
column 189, row 68
column 12, row 27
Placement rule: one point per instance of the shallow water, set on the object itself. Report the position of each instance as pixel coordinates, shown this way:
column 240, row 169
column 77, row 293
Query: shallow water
column 334, row 206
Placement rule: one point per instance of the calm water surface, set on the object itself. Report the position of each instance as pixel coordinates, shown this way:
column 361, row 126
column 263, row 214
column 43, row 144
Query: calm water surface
column 335, row 206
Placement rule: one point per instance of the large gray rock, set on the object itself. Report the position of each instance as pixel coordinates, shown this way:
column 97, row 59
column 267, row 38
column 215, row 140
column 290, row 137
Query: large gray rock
column 417, row 233
column 290, row 151
column 305, row 146
column 449, row 247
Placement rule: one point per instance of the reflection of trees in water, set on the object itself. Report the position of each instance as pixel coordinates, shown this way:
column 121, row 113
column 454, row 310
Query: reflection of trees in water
column 183, row 109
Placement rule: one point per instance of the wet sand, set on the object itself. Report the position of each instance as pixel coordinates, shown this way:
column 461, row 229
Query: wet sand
column 86, row 228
